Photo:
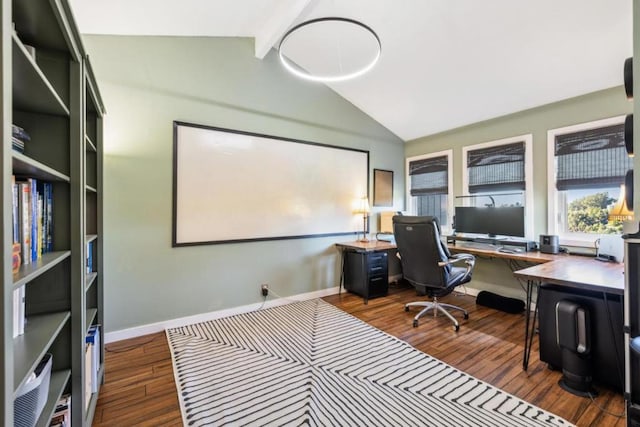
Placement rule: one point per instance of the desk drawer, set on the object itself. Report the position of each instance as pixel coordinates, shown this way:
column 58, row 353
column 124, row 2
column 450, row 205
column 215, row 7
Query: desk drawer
column 366, row 273
column 377, row 259
column 378, row 285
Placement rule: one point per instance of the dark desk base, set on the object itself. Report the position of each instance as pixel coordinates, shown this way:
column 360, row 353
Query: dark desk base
column 606, row 332
column 366, row 273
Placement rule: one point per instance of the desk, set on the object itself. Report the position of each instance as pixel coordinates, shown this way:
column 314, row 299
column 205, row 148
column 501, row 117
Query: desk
column 571, row 272
column 364, row 268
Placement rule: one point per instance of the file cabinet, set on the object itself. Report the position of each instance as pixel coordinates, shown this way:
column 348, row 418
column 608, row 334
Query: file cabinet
column 366, row 273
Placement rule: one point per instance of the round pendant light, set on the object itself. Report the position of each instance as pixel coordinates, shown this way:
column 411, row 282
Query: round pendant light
column 329, row 49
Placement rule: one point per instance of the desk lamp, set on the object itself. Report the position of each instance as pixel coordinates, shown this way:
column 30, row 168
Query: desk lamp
column 363, row 208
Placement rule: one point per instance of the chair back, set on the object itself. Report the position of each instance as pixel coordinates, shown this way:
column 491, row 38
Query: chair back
column 421, row 249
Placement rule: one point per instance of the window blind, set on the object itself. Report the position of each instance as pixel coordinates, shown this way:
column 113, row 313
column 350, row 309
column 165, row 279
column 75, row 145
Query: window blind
column 593, row 158
column 429, row 176
column 498, row 168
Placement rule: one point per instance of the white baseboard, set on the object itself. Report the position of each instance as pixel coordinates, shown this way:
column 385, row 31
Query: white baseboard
column 152, row 328
column 467, row 290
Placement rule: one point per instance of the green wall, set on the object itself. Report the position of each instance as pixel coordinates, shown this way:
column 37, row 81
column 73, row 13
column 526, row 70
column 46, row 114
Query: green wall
column 494, row 275
column 147, row 83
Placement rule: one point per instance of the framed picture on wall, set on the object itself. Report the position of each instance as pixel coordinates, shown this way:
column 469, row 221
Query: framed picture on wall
column 382, row 187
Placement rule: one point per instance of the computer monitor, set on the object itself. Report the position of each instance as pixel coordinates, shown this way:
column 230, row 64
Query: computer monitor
column 494, row 221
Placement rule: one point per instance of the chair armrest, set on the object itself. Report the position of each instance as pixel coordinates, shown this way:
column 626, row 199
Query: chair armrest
column 469, row 259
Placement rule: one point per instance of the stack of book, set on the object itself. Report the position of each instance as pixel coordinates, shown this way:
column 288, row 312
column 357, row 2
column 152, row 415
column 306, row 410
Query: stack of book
column 92, row 362
column 32, row 218
column 18, row 138
column 62, row 415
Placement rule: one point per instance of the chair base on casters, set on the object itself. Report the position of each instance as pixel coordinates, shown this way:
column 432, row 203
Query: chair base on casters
column 436, row 306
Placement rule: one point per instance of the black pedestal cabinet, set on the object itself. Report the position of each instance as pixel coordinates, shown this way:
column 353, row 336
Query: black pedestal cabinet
column 366, row 273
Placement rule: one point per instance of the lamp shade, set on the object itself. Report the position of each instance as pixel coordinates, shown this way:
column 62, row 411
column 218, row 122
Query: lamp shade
column 362, row 206
column 620, row 211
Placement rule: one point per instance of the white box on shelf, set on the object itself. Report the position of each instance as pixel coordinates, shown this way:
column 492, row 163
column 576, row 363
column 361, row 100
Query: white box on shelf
column 32, row 396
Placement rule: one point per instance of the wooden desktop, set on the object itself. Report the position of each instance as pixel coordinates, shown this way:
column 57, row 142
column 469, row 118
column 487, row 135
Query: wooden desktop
column 571, row 271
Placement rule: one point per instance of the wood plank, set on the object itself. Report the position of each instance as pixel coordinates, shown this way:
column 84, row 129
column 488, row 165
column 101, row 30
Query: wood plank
column 140, row 389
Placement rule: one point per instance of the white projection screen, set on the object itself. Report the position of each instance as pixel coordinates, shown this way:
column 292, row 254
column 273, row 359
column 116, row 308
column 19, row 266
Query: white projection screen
column 234, row 186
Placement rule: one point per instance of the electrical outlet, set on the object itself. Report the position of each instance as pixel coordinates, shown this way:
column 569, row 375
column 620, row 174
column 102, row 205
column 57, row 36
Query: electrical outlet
column 265, row 289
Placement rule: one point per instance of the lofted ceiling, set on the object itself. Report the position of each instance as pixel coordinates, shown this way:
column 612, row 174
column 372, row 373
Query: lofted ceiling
column 444, row 63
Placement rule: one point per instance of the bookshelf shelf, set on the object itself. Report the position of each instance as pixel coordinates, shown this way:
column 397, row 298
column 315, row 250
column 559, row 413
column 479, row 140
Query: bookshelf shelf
column 40, row 332
column 90, row 280
column 23, row 165
column 46, row 25
column 91, row 316
column 31, row 271
column 31, row 90
column 90, row 145
column 57, row 384
column 55, row 100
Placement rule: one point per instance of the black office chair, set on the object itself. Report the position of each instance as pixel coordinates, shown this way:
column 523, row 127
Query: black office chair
column 427, row 264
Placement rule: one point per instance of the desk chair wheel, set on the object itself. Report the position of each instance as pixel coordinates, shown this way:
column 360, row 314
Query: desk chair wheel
column 406, row 308
column 456, row 328
column 415, row 322
column 466, row 315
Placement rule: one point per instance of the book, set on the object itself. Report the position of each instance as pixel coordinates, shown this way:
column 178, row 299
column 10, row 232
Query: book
column 88, row 376
column 24, row 199
column 89, row 257
column 14, row 210
column 18, row 311
column 34, row 218
column 62, row 414
column 93, row 339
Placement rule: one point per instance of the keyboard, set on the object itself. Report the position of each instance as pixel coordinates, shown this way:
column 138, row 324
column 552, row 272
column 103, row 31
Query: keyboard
column 510, row 250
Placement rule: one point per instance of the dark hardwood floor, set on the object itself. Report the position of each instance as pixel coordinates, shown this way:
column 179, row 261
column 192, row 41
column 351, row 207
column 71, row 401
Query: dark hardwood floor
column 140, row 390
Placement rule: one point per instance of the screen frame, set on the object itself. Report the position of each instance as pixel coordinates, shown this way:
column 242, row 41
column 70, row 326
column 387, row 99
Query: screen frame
column 490, row 220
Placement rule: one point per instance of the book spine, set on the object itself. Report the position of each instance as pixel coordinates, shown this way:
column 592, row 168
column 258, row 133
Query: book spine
column 21, row 310
column 16, row 312
column 49, row 217
column 25, row 229
column 34, row 219
column 39, row 225
column 15, row 215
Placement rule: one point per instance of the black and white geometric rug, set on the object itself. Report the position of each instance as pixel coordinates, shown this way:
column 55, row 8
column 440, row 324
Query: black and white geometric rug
column 313, row 364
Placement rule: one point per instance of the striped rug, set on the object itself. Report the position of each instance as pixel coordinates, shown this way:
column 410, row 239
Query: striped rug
column 311, row 363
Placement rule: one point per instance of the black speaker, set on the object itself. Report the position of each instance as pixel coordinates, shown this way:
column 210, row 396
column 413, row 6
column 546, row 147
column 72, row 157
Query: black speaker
column 508, row 305
column 574, row 339
column 549, row 244
column 628, row 134
column 628, row 77
column 628, row 189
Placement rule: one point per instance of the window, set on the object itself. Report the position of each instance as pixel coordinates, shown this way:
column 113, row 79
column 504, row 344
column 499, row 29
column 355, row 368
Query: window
column 587, row 165
column 429, row 186
column 499, row 173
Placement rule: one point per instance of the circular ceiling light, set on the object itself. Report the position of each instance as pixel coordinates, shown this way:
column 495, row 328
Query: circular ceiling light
column 329, row 49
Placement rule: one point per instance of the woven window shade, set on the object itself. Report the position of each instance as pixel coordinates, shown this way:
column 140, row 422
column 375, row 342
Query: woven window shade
column 429, row 176
column 593, row 158
column 499, row 168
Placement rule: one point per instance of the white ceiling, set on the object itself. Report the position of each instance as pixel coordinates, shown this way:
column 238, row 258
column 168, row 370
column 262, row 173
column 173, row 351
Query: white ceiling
column 444, row 63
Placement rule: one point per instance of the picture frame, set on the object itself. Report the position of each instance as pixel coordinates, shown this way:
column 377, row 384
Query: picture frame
column 382, row 187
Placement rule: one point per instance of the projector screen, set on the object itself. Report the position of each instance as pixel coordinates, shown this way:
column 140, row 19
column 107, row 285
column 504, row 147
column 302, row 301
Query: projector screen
column 234, row 186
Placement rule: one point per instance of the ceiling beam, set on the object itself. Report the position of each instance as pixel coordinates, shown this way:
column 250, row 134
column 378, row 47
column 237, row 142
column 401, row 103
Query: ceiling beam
column 275, row 25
